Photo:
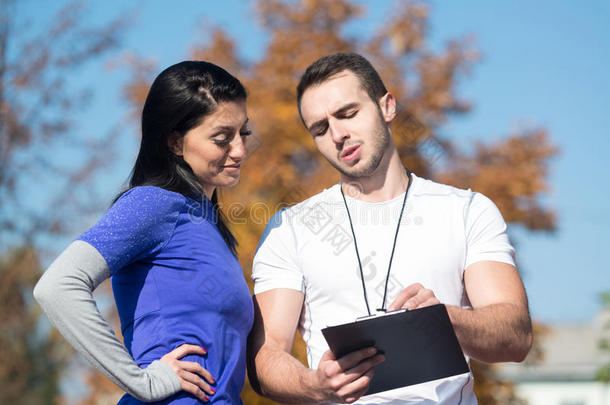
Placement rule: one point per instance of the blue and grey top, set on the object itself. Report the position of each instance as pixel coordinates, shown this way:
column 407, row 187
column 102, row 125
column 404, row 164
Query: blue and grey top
column 175, row 281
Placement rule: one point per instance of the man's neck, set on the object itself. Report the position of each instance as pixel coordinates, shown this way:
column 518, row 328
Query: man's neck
column 387, row 182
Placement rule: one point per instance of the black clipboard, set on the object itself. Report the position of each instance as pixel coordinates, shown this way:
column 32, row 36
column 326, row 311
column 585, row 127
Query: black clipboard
column 419, row 345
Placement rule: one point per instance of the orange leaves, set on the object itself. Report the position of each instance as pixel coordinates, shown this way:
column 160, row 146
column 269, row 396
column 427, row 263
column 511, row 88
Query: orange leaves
column 220, row 50
column 435, row 96
column 307, row 14
column 407, row 30
column 136, row 89
column 513, row 173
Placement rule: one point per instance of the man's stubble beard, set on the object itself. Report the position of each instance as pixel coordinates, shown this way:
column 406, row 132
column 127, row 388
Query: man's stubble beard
column 379, row 145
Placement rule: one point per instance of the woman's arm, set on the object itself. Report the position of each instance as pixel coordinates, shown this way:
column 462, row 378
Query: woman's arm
column 65, row 294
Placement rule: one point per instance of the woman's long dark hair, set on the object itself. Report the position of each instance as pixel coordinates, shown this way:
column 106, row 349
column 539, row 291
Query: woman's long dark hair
column 178, row 100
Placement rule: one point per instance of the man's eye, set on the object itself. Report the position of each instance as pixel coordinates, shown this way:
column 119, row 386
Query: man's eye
column 245, row 132
column 321, row 131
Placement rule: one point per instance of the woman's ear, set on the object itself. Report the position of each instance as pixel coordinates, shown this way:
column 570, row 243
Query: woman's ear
column 387, row 105
column 175, row 142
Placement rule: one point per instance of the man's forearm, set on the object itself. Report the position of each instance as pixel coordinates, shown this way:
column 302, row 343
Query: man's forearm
column 493, row 333
column 282, row 378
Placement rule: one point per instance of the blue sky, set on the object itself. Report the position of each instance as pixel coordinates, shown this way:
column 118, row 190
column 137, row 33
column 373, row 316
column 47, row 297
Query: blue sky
column 544, row 64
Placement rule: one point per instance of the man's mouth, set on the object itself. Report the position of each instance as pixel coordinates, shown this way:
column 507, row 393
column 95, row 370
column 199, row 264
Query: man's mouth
column 351, row 153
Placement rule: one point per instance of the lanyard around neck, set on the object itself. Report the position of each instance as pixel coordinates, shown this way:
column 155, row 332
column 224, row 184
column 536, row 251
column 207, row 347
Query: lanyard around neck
column 385, row 290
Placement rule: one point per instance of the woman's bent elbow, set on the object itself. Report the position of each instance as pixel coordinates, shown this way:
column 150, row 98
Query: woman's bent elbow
column 42, row 293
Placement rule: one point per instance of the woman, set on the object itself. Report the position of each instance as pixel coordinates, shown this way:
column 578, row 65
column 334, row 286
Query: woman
column 184, row 305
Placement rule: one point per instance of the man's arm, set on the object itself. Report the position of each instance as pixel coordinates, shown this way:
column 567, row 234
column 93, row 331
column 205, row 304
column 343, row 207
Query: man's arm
column 498, row 327
column 274, row 373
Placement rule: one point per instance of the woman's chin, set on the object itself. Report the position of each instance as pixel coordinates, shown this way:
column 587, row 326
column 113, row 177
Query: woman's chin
column 231, row 181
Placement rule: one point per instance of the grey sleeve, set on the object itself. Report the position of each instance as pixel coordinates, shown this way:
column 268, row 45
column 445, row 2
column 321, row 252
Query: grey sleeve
column 65, row 294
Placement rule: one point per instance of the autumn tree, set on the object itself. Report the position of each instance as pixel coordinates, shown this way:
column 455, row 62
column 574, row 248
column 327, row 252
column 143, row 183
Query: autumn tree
column 286, row 167
column 41, row 192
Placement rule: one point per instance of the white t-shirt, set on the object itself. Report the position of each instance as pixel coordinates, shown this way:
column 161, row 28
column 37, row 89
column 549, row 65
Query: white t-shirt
column 309, row 247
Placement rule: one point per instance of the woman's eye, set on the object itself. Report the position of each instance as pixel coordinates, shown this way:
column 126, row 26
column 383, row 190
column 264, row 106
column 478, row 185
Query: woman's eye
column 351, row 114
column 222, row 141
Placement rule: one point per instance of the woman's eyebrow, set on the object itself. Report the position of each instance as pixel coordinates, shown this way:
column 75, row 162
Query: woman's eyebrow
column 228, row 127
column 223, row 128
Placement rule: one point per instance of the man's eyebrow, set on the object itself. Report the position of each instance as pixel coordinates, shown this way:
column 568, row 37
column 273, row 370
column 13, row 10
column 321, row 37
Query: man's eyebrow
column 340, row 111
column 317, row 124
column 345, row 108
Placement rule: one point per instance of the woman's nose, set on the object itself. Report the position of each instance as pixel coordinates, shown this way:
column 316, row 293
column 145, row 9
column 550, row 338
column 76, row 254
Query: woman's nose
column 238, row 148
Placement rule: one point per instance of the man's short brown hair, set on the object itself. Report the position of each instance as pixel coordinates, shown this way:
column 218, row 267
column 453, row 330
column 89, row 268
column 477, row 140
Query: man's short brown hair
column 327, row 66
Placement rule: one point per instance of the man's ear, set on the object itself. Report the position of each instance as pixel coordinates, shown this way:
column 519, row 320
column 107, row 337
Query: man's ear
column 387, row 105
column 175, row 142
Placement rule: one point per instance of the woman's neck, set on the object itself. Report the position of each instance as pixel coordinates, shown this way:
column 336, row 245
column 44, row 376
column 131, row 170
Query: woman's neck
column 208, row 191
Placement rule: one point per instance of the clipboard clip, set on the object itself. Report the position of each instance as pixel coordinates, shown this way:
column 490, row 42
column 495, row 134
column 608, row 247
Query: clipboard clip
column 381, row 312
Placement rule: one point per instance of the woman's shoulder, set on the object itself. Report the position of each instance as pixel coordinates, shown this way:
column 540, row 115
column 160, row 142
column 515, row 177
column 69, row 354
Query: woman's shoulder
column 152, row 191
column 151, row 200
column 143, row 195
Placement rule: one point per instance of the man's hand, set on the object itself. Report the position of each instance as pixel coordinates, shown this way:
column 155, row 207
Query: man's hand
column 413, row 297
column 276, row 374
column 346, row 379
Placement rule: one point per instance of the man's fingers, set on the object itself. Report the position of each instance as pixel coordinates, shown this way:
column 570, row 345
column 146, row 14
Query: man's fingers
column 359, row 370
column 351, row 359
column 412, row 297
column 429, row 302
column 363, row 367
column 406, row 294
column 328, row 355
column 349, row 376
column 196, row 368
column 356, row 396
column 422, row 296
column 353, row 391
column 185, row 349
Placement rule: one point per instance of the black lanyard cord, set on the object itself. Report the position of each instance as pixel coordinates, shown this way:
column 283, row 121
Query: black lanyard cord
column 387, row 279
column 357, row 254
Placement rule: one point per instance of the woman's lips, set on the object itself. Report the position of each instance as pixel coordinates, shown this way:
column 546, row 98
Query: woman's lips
column 232, row 168
column 351, row 153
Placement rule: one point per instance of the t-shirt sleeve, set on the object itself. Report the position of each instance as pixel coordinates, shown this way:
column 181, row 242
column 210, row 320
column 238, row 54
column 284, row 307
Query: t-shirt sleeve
column 275, row 264
column 137, row 225
column 486, row 236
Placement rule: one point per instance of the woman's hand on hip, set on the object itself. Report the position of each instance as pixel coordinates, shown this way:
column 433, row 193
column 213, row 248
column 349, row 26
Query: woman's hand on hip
column 192, row 375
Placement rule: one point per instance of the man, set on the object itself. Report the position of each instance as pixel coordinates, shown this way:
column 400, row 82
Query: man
column 382, row 238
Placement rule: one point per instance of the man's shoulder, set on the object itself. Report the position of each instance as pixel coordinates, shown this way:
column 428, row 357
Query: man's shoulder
column 326, row 198
column 428, row 189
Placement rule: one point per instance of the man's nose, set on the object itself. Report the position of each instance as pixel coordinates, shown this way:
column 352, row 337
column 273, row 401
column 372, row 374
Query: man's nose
column 338, row 132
